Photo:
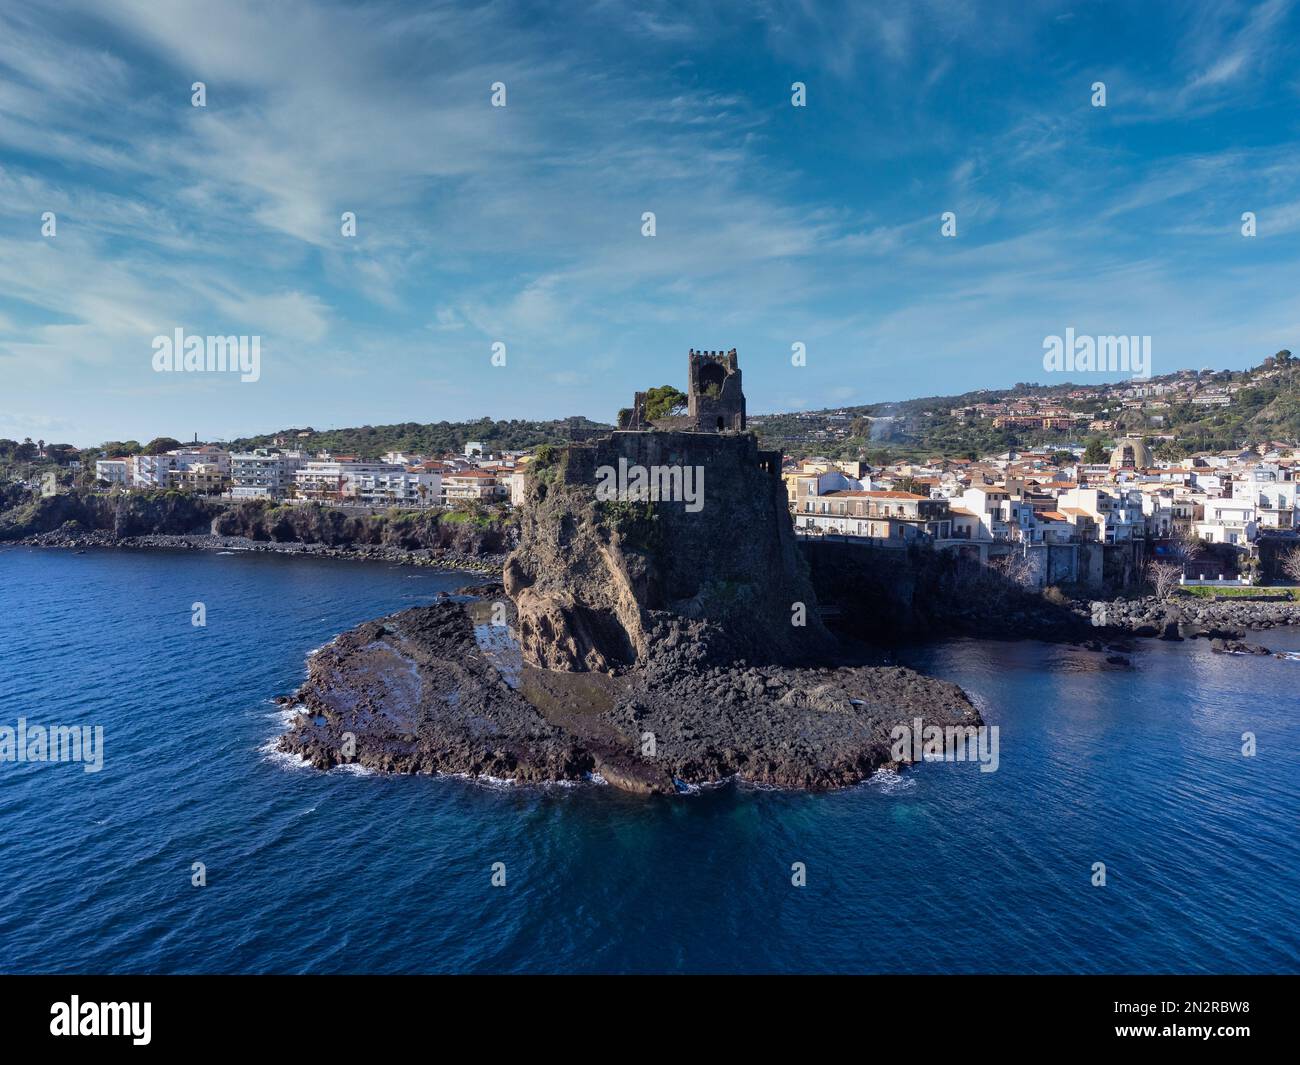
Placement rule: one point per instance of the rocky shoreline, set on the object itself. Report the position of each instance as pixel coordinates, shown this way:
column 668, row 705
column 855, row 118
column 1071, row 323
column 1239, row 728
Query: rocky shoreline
column 1095, row 622
column 440, row 558
column 416, row 692
column 443, row 688
column 1188, row 617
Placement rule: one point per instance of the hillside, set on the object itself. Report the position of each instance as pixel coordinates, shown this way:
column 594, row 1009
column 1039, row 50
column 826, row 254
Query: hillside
column 434, row 438
column 1264, row 405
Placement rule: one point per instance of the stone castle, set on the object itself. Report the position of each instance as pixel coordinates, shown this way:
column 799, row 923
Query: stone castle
column 594, row 583
column 715, row 399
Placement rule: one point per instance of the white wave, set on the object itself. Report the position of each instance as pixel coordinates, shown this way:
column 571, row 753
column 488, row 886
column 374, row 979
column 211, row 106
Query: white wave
column 889, row 781
column 484, row 780
column 271, row 752
column 285, row 715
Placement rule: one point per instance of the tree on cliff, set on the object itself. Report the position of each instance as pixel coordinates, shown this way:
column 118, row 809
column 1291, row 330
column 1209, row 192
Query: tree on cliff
column 664, row 401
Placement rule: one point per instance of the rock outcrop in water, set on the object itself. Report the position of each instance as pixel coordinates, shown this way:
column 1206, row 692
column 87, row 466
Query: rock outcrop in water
column 592, row 577
column 668, row 635
column 415, row 692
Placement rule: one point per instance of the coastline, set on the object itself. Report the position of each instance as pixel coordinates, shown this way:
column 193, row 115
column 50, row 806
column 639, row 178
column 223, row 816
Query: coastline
column 703, row 718
column 488, row 565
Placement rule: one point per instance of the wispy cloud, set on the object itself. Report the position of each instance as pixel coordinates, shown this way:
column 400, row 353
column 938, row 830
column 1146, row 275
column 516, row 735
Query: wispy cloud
column 523, row 224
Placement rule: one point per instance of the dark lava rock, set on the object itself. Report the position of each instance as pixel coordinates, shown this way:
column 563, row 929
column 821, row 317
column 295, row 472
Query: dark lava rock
column 414, row 692
column 1238, row 647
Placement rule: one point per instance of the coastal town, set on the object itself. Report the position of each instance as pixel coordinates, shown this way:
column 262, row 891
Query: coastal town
column 1238, row 499
column 1027, row 497
column 1108, row 478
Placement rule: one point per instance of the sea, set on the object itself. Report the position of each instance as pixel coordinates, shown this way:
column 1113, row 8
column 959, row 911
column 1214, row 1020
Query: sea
column 1126, row 828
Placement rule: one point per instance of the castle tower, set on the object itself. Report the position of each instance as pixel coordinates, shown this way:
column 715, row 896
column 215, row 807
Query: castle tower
column 716, row 403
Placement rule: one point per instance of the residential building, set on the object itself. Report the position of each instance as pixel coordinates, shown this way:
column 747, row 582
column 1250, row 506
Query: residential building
column 264, row 473
column 153, row 471
column 473, row 486
column 334, row 480
column 204, row 478
column 405, row 488
column 1228, row 521
column 877, row 514
column 114, row 471
column 1117, row 516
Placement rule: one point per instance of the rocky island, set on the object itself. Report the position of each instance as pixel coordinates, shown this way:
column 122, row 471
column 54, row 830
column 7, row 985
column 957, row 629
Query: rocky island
column 655, row 627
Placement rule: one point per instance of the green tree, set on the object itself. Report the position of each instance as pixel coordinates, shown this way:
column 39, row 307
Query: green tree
column 159, row 444
column 1095, row 453
column 664, row 401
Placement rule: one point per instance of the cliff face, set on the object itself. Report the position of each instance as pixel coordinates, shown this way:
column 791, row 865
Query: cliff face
column 171, row 513
column 136, row 514
column 592, row 577
column 312, row 524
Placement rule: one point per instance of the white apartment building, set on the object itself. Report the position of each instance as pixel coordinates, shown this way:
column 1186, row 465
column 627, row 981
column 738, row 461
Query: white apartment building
column 1228, row 521
column 403, row 489
column 114, row 471
column 336, row 479
column 1116, row 515
column 1274, row 496
column 1002, row 515
column 204, row 455
column 153, row 471
column 264, row 473
column 162, row 471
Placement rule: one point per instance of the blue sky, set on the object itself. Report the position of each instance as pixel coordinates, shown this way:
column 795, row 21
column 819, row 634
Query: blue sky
column 522, row 224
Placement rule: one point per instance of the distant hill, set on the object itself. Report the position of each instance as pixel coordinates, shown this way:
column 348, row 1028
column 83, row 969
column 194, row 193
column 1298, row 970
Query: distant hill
column 433, row 438
column 1265, row 406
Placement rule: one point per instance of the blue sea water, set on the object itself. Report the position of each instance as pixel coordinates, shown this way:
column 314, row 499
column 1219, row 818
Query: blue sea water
column 944, row 869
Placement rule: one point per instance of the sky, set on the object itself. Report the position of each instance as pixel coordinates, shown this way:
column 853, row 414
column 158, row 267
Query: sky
column 522, row 225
